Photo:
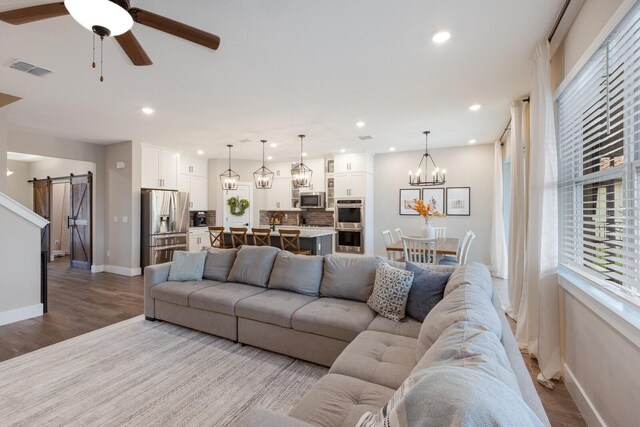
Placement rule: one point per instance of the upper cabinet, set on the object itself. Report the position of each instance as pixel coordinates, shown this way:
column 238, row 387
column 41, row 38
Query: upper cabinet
column 193, row 179
column 356, row 162
column 318, row 183
column 159, row 168
column 194, row 166
column 281, row 170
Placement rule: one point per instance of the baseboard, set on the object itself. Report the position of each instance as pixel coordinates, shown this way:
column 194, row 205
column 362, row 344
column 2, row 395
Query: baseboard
column 584, row 404
column 97, row 268
column 19, row 314
column 123, row 271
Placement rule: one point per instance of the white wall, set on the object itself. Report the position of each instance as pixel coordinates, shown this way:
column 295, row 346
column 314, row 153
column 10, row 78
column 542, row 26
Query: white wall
column 17, row 186
column 4, row 143
column 468, row 166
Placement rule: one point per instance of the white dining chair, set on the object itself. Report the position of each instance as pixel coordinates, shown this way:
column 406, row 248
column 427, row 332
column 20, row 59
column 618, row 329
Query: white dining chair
column 389, row 241
column 441, row 232
column 399, row 234
column 462, row 253
column 419, row 250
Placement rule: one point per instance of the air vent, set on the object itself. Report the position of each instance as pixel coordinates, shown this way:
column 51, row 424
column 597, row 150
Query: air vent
column 365, row 137
column 29, row 68
column 244, row 141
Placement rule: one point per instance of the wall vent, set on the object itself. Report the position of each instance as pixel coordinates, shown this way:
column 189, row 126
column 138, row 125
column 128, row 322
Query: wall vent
column 244, row 141
column 365, row 137
column 29, row 68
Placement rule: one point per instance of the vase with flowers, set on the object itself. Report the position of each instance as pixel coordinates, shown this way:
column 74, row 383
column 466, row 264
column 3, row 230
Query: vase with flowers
column 427, row 211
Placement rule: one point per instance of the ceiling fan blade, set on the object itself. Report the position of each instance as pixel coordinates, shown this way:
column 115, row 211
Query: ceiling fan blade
column 175, row 28
column 33, row 13
column 129, row 43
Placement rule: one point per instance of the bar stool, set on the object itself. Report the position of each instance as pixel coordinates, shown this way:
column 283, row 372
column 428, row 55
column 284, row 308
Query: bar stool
column 238, row 236
column 216, row 236
column 290, row 241
column 261, row 236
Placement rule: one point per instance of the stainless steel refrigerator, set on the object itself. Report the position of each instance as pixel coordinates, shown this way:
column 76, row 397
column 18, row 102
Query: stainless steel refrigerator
column 164, row 225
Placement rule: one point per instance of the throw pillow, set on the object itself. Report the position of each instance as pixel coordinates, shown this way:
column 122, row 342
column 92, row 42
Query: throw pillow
column 218, row 264
column 426, row 291
column 390, row 291
column 187, row 266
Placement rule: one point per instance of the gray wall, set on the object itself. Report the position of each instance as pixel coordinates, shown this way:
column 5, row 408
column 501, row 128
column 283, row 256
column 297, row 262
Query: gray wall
column 468, row 166
column 4, row 143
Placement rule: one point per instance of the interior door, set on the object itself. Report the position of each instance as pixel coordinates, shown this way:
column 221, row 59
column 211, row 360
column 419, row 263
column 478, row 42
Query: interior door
column 42, row 206
column 244, row 191
column 79, row 222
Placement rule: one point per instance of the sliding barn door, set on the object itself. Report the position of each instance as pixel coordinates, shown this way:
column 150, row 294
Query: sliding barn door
column 42, row 206
column 79, row 221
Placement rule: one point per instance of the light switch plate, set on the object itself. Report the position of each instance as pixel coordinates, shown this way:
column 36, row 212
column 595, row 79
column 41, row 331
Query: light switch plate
column 115, row 219
column 125, row 219
column 120, row 165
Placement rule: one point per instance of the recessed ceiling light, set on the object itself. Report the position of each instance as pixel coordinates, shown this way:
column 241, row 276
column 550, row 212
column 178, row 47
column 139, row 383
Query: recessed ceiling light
column 472, row 141
column 392, row 148
column 148, row 110
column 304, row 154
column 269, row 157
column 273, row 145
column 342, row 150
column 441, row 37
column 360, row 124
column 475, row 107
column 200, row 152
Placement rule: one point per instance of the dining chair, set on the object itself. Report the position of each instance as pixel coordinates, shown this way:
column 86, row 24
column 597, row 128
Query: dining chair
column 290, row 241
column 399, row 234
column 389, row 241
column 261, row 236
column 441, row 232
column 216, row 237
column 238, row 236
column 462, row 252
column 419, row 250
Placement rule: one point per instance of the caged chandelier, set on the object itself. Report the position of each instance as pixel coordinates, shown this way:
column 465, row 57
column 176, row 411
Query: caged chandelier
column 229, row 179
column 301, row 173
column 263, row 177
column 422, row 177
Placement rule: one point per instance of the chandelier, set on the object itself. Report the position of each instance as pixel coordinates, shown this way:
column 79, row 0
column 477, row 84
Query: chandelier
column 301, row 173
column 229, row 179
column 422, row 177
column 263, row 177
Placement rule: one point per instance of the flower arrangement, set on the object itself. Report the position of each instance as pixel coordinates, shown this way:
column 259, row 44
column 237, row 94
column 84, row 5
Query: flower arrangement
column 426, row 210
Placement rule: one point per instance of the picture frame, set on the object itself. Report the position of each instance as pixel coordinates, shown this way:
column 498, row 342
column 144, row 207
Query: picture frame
column 458, row 201
column 436, row 197
column 406, row 197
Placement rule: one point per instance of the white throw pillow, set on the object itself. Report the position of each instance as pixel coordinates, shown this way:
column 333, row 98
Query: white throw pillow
column 390, row 291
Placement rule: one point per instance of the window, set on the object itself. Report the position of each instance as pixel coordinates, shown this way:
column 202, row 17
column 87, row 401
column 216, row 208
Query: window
column 599, row 164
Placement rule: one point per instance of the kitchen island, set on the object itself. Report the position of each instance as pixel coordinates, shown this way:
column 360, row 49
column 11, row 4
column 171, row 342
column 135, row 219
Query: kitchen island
column 318, row 241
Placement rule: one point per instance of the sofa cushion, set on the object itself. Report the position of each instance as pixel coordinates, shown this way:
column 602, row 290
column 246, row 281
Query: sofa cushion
column 474, row 274
column 187, row 266
column 379, row 358
column 334, row 318
column 407, row 327
column 463, row 344
column 218, row 263
column 223, row 298
column 273, row 306
column 339, row 400
column 466, row 303
column 253, row 265
column 349, row 277
column 426, row 291
column 179, row 292
column 390, row 291
column 453, row 395
column 297, row 273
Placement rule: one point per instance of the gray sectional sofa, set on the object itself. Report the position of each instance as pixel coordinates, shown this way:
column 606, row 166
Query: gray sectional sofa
column 314, row 308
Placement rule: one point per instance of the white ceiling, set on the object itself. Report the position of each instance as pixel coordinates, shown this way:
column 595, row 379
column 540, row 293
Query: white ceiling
column 284, row 67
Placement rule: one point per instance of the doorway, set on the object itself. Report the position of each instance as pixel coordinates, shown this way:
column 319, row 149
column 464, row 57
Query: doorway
column 244, row 191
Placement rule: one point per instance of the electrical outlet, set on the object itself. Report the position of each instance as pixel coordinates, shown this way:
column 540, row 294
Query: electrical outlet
column 108, row 254
column 115, row 219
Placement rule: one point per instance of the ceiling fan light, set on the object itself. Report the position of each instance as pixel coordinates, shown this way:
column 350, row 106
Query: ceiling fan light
column 102, row 13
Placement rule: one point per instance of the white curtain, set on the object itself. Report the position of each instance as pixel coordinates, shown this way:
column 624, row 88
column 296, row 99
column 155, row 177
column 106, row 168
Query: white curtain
column 517, row 210
column 498, row 243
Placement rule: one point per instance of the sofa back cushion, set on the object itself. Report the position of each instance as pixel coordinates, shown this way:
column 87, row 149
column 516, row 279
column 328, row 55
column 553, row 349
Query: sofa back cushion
column 186, row 266
column 427, row 290
column 297, row 273
column 464, row 344
column 218, row 263
column 253, row 265
column 474, row 274
column 349, row 277
column 467, row 303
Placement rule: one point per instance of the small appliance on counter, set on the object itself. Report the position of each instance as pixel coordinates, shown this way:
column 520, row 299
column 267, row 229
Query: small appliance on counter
column 198, row 219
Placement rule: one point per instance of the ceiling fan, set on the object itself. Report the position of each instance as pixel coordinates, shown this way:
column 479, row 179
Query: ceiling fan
column 112, row 18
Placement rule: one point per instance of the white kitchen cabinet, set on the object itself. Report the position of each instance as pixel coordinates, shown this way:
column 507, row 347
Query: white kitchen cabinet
column 350, row 184
column 279, row 196
column 159, row 168
column 199, row 238
column 198, row 189
column 317, row 177
column 193, row 166
column 281, row 169
column 356, row 162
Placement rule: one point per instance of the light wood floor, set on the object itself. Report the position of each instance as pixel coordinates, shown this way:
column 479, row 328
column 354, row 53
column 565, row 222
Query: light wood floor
column 80, row 302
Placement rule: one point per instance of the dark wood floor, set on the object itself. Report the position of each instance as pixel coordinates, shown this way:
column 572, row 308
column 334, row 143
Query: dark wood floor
column 80, row 302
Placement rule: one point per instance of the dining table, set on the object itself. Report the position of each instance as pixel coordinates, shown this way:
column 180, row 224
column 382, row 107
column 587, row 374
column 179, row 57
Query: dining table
column 444, row 246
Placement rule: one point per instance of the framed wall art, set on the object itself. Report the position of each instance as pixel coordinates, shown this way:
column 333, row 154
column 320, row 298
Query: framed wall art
column 435, row 197
column 406, row 198
column 458, row 201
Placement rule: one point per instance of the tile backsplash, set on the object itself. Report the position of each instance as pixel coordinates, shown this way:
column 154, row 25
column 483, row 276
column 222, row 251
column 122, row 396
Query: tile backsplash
column 312, row 217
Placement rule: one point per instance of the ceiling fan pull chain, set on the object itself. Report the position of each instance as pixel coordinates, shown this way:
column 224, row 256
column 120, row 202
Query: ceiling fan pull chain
column 101, row 55
column 93, row 64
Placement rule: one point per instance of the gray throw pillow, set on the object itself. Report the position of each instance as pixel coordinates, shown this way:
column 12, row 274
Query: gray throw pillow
column 297, row 273
column 426, row 291
column 253, row 265
column 187, row 266
column 390, row 291
column 349, row 277
column 218, row 263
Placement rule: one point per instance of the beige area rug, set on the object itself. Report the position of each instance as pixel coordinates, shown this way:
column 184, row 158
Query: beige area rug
column 138, row 372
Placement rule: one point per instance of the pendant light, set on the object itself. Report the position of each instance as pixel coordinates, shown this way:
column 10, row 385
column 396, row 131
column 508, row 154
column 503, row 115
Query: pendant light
column 229, row 179
column 263, row 177
column 301, row 173
column 420, row 179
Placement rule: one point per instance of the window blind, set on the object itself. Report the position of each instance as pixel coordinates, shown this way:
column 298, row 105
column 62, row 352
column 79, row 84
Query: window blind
column 598, row 117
